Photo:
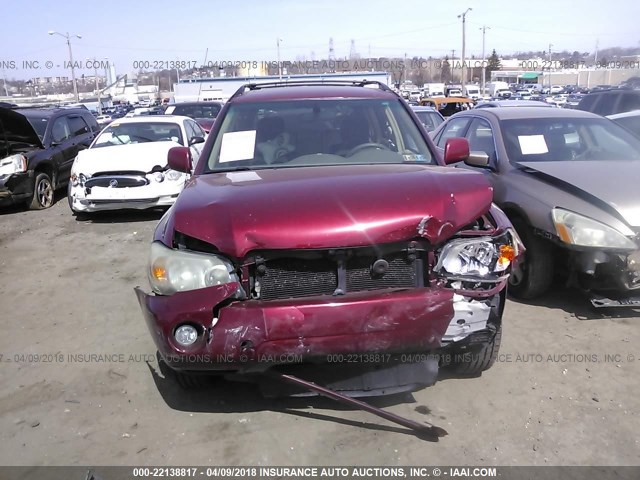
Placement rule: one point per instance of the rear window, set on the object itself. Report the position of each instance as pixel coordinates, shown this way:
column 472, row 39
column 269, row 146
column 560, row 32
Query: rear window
column 197, row 111
column 317, row 132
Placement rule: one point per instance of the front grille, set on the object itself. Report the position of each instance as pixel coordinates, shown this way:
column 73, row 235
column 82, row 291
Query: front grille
column 400, row 274
column 292, row 277
column 116, row 181
column 334, row 273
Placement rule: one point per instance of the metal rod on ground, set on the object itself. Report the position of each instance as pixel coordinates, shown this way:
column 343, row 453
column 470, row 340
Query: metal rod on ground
column 431, row 431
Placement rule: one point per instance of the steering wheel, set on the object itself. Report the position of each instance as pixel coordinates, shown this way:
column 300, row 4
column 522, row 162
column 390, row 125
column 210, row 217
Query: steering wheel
column 364, row 146
column 590, row 154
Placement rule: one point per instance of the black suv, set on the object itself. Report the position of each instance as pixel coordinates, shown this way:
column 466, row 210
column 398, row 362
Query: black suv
column 37, row 149
column 610, row 102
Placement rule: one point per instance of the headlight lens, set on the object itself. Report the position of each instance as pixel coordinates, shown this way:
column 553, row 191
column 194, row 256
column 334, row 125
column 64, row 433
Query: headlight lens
column 13, row 164
column 478, row 257
column 579, row 230
column 172, row 271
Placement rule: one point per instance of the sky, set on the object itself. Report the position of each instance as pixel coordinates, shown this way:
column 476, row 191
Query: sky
column 199, row 32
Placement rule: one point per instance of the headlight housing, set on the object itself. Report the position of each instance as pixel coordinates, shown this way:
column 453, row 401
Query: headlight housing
column 485, row 258
column 172, row 271
column 79, row 180
column 579, row 230
column 13, row 164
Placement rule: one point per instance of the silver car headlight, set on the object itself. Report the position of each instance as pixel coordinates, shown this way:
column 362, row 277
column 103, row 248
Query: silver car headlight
column 479, row 256
column 576, row 229
column 172, row 271
column 13, row 164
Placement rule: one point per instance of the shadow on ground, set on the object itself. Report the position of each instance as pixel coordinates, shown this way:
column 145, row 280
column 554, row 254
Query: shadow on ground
column 578, row 304
column 218, row 395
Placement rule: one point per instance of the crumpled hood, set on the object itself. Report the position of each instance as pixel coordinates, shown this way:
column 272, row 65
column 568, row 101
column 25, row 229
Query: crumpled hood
column 614, row 182
column 14, row 127
column 324, row 207
column 134, row 156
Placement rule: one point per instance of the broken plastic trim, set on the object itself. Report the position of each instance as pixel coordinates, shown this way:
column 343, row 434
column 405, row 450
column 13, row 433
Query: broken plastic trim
column 427, row 431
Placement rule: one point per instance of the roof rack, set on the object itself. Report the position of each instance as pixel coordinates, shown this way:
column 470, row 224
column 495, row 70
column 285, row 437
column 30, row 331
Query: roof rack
column 309, row 83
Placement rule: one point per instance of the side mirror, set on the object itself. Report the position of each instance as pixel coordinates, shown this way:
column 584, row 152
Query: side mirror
column 179, row 159
column 478, row 159
column 195, row 140
column 456, row 150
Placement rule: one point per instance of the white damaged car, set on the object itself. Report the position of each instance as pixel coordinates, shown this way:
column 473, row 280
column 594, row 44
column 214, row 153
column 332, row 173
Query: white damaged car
column 126, row 165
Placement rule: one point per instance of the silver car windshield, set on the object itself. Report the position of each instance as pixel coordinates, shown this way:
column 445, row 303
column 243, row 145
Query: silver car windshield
column 567, row 139
column 317, row 132
column 138, row 132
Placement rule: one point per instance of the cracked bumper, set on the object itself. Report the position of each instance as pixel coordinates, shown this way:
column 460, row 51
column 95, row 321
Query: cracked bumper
column 254, row 335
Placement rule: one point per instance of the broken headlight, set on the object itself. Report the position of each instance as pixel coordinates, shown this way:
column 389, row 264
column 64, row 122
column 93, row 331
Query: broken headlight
column 13, row 164
column 172, row 271
column 478, row 257
column 78, row 180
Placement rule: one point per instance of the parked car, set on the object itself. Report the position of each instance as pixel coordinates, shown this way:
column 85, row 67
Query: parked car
column 104, row 120
column 512, row 103
column 629, row 120
column 37, row 148
column 447, row 106
column 204, row 113
column 428, row 116
column 568, row 180
column 126, row 165
column 610, row 102
column 319, row 223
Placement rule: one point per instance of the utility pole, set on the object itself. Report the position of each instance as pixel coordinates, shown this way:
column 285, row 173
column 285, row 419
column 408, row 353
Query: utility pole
column 278, row 40
column 464, row 19
column 550, row 45
column 484, row 60
column 73, row 70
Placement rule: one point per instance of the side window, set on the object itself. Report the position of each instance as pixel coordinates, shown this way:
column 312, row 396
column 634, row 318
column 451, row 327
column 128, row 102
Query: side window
column 60, row 130
column 628, row 102
column 77, row 126
column 480, row 138
column 191, row 131
column 455, row 128
column 93, row 124
column 198, row 130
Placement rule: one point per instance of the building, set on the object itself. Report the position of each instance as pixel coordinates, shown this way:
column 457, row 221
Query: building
column 221, row 88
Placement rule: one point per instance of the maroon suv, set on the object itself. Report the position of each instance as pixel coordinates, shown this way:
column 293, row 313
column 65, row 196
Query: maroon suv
column 319, row 228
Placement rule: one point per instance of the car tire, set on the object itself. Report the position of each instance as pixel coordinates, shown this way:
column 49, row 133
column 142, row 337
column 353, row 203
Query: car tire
column 479, row 361
column 43, row 192
column 534, row 275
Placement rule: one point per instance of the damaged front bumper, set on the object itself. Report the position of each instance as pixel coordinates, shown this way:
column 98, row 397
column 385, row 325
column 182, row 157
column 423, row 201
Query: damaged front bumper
column 367, row 327
column 16, row 188
column 93, row 199
column 612, row 278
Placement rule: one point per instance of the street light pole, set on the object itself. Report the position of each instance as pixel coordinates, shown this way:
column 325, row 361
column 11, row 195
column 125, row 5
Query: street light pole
column 464, row 17
column 484, row 59
column 73, row 70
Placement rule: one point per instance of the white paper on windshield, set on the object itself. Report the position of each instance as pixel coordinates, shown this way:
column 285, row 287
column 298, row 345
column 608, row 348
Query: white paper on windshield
column 237, row 146
column 533, row 144
column 236, row 177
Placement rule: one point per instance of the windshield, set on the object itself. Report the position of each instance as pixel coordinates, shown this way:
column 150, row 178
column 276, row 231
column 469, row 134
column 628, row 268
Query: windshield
column 138, row 132
column 565, row 139
column 39, row 124
column 317, row 132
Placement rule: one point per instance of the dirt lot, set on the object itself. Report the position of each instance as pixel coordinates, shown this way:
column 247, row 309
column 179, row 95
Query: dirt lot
column 553, row 398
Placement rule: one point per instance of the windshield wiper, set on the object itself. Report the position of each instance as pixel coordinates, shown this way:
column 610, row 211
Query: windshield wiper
column 234, row 169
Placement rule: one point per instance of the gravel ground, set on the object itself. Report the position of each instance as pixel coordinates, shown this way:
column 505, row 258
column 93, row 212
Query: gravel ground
column 563, row 392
